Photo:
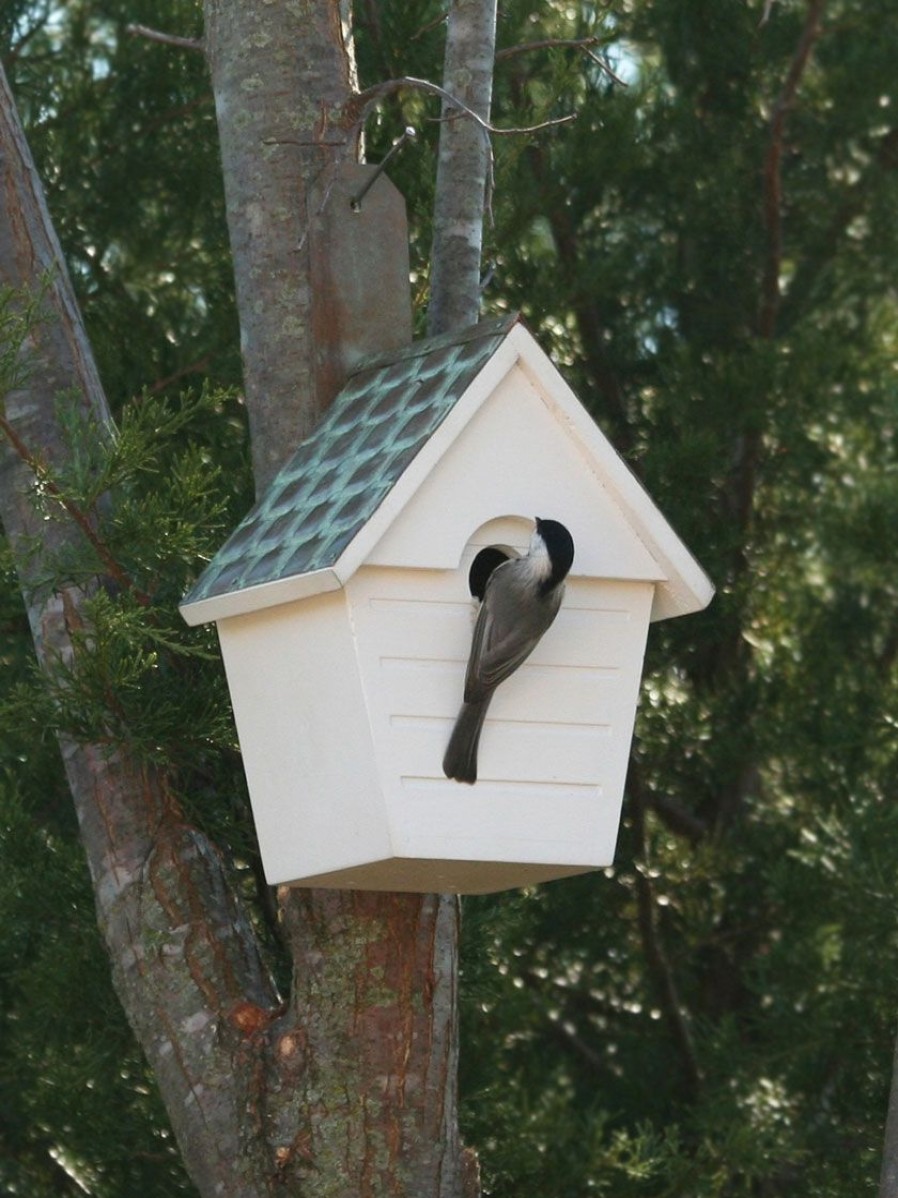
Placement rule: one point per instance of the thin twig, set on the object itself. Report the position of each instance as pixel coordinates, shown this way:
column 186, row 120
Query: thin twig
column 360, row 105
column 167, row 39
column 560, row 1028
column 409, row 133
column 574, row 1042
column 15, row 50
column 606, row 67
column 200, row 366
column 428, row 26
column 677, row 818
column 549, row 43
column 552, row 43
column 358, row 108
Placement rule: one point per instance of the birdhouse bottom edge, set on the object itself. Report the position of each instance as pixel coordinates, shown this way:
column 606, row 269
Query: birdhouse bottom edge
column 439, row 876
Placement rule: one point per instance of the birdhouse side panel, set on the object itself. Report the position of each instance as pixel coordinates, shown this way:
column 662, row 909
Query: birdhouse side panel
column 305, row 737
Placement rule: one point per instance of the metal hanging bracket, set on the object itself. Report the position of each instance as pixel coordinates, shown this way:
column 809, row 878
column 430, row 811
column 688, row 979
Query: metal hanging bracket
column 408, row 134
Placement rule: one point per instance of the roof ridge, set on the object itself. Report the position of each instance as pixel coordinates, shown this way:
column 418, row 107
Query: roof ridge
column 495, row 326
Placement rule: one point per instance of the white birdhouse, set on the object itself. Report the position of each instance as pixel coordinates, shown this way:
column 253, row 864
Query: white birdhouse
column 345, row 615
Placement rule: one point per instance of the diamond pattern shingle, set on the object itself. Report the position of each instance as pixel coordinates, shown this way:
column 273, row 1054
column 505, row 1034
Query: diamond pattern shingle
column 337, row 479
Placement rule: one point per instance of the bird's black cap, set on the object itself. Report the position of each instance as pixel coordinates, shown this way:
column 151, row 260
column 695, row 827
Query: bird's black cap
column 560, row 546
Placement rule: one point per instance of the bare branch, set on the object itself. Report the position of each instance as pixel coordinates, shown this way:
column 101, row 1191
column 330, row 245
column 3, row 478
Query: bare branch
column 552, row 43
column 606, row 67
column 656, row 957
column 428, row 26
column 677, row 818
column 770, row 288
column 167, row 39
column 361, row 105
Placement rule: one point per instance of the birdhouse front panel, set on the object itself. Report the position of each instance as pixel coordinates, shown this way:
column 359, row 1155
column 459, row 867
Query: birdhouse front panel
column 554, row 749
column 513, row 453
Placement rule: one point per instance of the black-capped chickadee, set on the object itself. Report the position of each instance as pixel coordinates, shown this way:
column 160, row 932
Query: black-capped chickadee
column 521, row 599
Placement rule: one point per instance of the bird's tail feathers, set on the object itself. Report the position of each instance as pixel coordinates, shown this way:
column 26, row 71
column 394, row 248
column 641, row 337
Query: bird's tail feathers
column 460, row 759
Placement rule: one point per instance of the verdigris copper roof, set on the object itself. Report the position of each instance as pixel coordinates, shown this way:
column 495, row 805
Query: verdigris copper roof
column 390, row 407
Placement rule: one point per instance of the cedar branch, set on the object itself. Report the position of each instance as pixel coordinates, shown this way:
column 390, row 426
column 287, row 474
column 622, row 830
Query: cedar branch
column 51, row 488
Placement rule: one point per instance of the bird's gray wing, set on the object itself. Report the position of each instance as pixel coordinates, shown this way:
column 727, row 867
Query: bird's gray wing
column 498, row 646
column 505, row 657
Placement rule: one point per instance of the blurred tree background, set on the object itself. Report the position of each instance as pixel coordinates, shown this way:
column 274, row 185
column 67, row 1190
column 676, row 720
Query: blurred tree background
column 708, row 251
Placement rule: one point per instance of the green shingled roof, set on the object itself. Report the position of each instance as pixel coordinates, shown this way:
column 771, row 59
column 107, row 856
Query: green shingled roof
column 389, row 408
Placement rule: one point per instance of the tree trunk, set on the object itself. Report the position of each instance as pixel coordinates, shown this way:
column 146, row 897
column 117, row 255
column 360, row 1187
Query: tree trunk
column 182, row 950
column 368, row 1052
column 463, row 167
column 348, row 1088
column 365, row 1059
column 281, row 74
column 888, row 1177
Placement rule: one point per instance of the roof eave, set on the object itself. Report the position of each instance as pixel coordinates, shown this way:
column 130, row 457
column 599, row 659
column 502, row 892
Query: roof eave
column 258, row 598
column 684, row 587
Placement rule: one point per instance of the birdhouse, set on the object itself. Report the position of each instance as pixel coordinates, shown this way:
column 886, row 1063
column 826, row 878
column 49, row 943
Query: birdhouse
column 345, row 604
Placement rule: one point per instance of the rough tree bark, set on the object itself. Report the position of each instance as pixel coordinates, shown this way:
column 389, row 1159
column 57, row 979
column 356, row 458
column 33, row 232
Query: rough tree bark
column 347, row 1087
column 369, row 1042
column 182, row 951
column 888, row 1177
column 281, row 77
column 463, row 167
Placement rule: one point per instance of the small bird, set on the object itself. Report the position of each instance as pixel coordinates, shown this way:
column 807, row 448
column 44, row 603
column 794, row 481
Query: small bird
column 520, row 601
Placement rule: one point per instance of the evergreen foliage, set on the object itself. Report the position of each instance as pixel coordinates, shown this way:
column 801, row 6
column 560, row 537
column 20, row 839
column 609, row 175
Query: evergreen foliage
column 714, row 1015
column 80, row 1111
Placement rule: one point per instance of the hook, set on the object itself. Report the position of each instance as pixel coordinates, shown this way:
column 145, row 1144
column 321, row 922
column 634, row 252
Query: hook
column 408, row 134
